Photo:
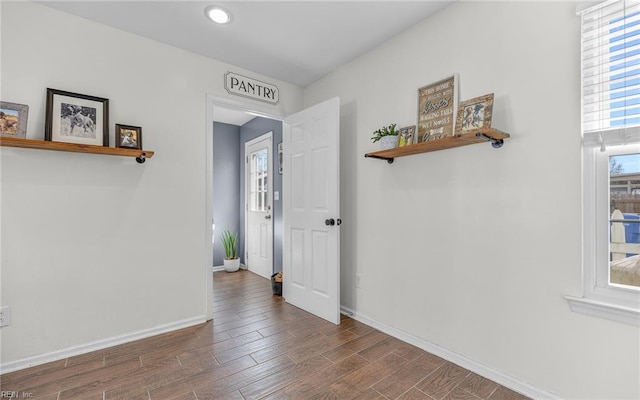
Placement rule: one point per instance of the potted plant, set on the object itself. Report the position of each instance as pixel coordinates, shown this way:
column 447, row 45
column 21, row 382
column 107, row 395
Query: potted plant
column 387, row 136
column 230, row 243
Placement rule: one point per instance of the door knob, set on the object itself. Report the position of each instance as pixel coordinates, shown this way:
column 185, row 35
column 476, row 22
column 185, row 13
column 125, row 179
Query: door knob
column 330, row 222
column 267, row 217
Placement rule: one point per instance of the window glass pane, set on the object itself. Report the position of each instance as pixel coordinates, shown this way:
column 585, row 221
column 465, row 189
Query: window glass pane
column 258, row 184
column 624, row 200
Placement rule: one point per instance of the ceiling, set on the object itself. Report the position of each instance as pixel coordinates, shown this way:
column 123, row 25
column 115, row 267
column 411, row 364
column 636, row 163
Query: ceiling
column 293, row 41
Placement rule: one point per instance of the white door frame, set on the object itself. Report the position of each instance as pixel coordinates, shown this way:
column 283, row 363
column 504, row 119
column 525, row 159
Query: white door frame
column 211, row 102
column 265, row 136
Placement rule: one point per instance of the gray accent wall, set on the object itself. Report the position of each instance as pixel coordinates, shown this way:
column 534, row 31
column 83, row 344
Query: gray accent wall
column 227, row 202
column 249, row 131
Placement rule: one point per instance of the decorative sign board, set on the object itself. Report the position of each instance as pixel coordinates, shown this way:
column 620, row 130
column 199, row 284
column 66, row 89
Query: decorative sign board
column 251, row 88
column 437, row 104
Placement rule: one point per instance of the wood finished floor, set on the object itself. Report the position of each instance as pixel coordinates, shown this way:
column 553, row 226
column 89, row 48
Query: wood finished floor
column 257, row 347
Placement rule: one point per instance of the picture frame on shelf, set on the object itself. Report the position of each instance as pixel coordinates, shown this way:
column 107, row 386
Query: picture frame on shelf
column 13, row 120
column 128, row 137
column 76, row 118
column 437, row 106
column 474, row 113
column 406, row 135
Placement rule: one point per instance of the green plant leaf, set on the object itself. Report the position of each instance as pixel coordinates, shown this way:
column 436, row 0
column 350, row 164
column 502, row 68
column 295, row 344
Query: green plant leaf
column 230, row 244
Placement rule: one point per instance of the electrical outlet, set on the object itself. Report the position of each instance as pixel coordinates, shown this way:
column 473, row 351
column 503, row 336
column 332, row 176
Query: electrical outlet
column 5, row 316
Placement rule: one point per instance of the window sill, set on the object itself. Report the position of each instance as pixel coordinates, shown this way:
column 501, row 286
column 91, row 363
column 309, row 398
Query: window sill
column 600, row 309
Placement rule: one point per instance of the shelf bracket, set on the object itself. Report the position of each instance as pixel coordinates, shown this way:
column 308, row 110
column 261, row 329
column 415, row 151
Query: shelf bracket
column 141, row 158
column 389, row 159
column 495, row 143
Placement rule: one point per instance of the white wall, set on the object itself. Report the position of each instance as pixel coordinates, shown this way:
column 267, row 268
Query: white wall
column 95, row 247
column 472, row 249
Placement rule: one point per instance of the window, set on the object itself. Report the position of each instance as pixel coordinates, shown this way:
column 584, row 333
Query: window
column 611, row 161
column 259, row 180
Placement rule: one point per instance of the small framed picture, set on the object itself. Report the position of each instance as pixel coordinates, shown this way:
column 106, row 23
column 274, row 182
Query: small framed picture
column 406, row 135
column 13, row 120
column 474, row 113
column 129, row 137
column 76, row 118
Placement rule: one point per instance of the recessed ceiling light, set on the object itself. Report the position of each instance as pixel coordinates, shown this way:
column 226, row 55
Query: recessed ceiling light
column 218, row 15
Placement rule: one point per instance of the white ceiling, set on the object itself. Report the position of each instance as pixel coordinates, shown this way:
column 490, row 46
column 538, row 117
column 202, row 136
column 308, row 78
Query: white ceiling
column 293, row 41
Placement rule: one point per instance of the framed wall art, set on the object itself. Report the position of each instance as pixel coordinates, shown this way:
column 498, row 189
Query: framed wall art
column 406, row 135
column 474, row 113
column 437, row 105
column 129, row 137
column 13, row 119
column 76, row 118
column 280, row 158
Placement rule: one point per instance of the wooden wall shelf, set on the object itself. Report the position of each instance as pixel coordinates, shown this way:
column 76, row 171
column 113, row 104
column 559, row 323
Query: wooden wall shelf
column 482, row 135
column 140, row 155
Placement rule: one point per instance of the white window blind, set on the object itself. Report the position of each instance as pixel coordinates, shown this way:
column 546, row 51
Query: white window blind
column 611, row 73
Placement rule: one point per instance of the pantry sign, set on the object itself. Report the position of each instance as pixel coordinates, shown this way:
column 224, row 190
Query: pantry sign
column 247, row 87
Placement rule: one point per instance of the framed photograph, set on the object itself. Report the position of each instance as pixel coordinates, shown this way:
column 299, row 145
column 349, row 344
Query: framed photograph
column 128, row 136
column 76, row 118
column 474, row 113
column 280, row 158
column 437, row 105
column 13, row 120
column 406, row 135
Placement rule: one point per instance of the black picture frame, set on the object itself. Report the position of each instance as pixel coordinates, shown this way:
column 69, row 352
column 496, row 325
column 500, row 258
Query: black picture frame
column 76, row 118
column 128, row 136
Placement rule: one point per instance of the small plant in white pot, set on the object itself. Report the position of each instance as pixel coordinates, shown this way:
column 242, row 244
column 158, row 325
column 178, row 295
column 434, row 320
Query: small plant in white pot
column 387, row 137
column 230, row 243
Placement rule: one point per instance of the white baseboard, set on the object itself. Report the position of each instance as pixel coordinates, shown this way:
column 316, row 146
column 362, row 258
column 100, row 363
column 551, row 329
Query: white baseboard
column 98, row 345
column 219, row 268
column 499, row 377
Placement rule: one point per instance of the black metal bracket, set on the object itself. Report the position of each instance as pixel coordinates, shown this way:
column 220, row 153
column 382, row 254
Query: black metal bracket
column 389, row 159
column 495, row 143
column 141, row 158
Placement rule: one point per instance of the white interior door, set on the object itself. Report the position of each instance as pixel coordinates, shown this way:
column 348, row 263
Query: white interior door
column 311, row 208
column 259, row 236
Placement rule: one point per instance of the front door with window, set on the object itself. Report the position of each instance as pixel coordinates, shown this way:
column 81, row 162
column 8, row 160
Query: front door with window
column 259, row 237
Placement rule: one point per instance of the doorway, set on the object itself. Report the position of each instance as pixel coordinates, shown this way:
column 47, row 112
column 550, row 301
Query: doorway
column 311, row 260
column 229, row 112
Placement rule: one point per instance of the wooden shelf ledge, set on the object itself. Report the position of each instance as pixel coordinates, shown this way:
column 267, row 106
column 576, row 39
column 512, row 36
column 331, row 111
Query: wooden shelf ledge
column 139, row 155
column 482, row 135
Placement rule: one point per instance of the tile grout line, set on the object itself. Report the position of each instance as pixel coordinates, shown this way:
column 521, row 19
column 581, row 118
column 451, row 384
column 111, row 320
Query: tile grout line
column 493, row 391
column 458, row 384
column 474, row 394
